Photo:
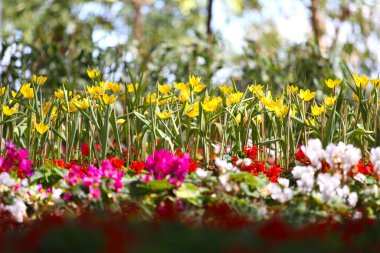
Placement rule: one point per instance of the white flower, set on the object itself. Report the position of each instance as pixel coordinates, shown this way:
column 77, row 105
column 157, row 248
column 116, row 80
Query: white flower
column 284, row 182
column 360, row 177
column 343, row 192
column 314, row 151
column 375, row 158
column 299, row 170
column 279, row 194
column 56, row 194
column 6, row 180
column 305, row 176
column 352, row 199
column 201, row 173
column 247, row 161
column 18, row 210
column 224, row 166
column 343, row 155
column 328, row 184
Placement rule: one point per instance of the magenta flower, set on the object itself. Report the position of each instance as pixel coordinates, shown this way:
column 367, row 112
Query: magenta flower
column 16, row 159
column 163, row 164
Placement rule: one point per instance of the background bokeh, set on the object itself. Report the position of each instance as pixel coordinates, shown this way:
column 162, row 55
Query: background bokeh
column 264, row 41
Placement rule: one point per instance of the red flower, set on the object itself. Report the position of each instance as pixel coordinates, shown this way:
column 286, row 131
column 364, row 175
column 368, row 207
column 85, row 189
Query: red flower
column 251, row 152
column 272, row 173
column 59, row 163
column 116, row 163
column 302, row 157
column 84, row 149
column 193, row 163
column 137, row 167
column 365, row 168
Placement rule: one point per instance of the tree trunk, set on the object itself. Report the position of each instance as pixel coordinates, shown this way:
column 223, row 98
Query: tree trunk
column 318, row 25
column 209, row 18
column 139, row 20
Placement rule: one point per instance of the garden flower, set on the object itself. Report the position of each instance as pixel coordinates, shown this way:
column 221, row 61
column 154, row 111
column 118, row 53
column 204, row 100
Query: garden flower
column 39, row 80
column 132, row 88
column 226, row 90
column 181, row 86
column 375, row 83
column 59, row 94
column 342, row 156
column 198, row 88
column 234, row 98
column 361, row 81
column 257, row 90
column 194, row 81
column 281, row 111
column 27, row 91
column 278, row 194
column 164, row 100
column 164, row 89
column 291, row 89
column 306, row 95
column 164, row 114
column 332, row 83
column 151, row 98
column 316, row 110
column 267, row 99
column 109, row 99
column 330, row 101
column 17, row 209
column 328, row 184
column 2, row 90
column 41, row 127
column 137, row 167
column 375, row 158
column 95, row 91
column 10, row 111
column 211, row 104
column 120, row 121
column 192, row 110
column 184, row 95
column 117, row 88
column 314, row 152
column 83, row 104
column 305, row 176
column 164, row 164
column 93, row 73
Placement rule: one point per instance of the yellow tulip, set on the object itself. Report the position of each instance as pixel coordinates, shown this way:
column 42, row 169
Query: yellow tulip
column 109, row 99
column 39, row 80
column 164, row 89
column 59, row 94
column 361, row 81
column 330, row 101
column 117, row 88
column 132, row 88
column 95, row 91
column 46, row 107
column 194, row 81
column 257, row 90
column 375, row 83
column 27, row 91
column 281, row 111
column 234, row 98
column 83, row 104
column 41, row 127
column 332, row 83
column 211, row 104
column 120, row 121
column 184, row 95
column 151, row 98
column 10, row 111
column 93, row 73
column 266, row 100
column 226, row 90
column 2, row 91
column 316, row 110
column 181, row 86
column 306, row 95
column 164, row 114
column 291, row 89
column 198, row 88
column 192, row 110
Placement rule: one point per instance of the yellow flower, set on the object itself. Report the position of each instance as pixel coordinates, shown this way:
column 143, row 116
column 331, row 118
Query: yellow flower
column 266, row 100
column 234, row 98
column 117, row 88
column 238, row 119
column 194, row 81
column 192, row 110
column 198, row 88
column 226, row 90
column 95, row 91
column 310, row 121
column 10, row 111
column 120, row 121
column 46, row 107
column 72, row 107
column 181, row 86
column 132, row 88
column 291, row 89
column 355, row 97
column 274, row 105
column 39, row 80
column 93, row 73
column 257, row 90
column 184, row 95
column 41, row 127
column 83, row 104
column 109, row 99
column 54, row 115
column 293, row 111
column 164, row 114
column 306, row 95
column 282, row 110
column 151, row 98
column 164, row 100
column 27, row 91
column 258, row 119
column 211, row 104
column 2, row 91
column 361, row 81
column 13, row 93
column 375, row 83
column 317, row 111
column 164, row 89
column 59, row 94
column 332, row 83
column 330, row 101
